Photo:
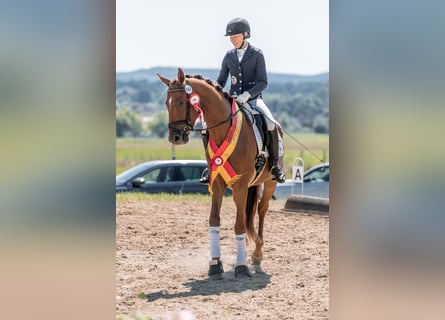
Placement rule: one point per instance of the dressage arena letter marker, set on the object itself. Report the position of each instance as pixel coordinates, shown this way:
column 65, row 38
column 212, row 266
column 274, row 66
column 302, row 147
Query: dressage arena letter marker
column 297, row 176
column 297, row 173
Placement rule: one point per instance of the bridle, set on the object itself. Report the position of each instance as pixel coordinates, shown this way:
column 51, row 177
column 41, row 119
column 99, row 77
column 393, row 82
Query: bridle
column 188, row 127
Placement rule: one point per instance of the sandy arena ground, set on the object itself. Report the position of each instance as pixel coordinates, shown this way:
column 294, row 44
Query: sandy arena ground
column 162, row 254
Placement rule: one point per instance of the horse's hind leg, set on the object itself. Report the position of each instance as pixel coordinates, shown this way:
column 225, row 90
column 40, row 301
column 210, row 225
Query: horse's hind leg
column 257, row 255
column 263, row 206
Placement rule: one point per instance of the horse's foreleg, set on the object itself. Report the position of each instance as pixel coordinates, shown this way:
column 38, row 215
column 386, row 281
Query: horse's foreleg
column 215, row 265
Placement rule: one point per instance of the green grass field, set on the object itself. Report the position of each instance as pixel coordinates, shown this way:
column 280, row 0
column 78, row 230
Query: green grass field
column 130, row 152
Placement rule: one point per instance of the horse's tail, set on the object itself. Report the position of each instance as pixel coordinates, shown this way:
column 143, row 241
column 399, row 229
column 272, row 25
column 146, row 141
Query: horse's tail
column 251, row 208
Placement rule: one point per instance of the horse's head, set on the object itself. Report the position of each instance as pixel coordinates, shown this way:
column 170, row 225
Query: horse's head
column 180, row 118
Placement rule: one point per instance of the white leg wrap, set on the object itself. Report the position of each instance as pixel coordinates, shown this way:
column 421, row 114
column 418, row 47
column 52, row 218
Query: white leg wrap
column 241, row 255
column 215, row 250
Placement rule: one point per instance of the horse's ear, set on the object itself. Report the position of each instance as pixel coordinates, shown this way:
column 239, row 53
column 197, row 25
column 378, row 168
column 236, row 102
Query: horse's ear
column 181, row 77
column 164, row 80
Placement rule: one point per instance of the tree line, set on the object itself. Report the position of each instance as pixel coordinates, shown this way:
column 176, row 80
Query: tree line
column 298, row 106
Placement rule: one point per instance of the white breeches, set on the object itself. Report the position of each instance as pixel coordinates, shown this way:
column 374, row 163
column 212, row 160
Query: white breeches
column 259, row 105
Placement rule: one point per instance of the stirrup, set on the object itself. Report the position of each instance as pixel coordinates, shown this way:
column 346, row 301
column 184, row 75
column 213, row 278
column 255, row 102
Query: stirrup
column 278, row 174
column 205, row 176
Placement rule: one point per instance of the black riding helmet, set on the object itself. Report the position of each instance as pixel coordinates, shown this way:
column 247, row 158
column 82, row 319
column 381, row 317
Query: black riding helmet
column 238, row 25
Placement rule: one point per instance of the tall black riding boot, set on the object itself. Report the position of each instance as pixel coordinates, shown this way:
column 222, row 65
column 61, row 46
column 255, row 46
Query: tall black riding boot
column 205, row 177
column 274, row 156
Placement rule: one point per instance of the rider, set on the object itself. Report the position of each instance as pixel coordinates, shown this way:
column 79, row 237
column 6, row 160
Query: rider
column 247, row 69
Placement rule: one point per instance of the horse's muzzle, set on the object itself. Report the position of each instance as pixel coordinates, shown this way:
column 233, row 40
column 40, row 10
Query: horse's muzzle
column 177, row 136
column 178, row 139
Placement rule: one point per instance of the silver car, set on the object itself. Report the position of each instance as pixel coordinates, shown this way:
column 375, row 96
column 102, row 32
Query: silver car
column 164, row 176
column 315, row 184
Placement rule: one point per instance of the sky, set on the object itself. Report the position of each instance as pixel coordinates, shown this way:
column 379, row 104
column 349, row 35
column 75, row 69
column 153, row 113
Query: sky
column 293, row 35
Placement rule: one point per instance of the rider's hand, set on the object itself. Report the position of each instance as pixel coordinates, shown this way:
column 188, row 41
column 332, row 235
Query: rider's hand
column 243, row 97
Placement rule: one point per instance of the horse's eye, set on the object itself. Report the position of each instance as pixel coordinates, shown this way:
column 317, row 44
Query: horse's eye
column 180, row 103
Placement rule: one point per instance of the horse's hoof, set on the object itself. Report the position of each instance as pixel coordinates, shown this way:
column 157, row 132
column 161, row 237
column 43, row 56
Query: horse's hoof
column 256, row 260
column 215, row 269
column 257, row 268
column 242, row 270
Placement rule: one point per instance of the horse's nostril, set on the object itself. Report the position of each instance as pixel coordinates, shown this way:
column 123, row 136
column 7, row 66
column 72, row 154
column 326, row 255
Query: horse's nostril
column 176, row 138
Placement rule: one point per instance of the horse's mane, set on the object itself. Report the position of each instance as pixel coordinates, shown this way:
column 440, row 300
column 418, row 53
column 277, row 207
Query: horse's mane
column 210, row 82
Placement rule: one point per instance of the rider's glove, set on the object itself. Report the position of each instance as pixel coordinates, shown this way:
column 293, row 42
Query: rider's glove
column 243, row 97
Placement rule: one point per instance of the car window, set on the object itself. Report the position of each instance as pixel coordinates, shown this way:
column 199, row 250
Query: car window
column 192, row 173
column 175, row 174
column 156, row 175
column 130, row 173
column 318, row 175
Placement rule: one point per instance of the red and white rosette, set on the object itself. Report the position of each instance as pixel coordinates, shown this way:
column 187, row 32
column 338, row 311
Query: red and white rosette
column 195, row 99
column 218, row 161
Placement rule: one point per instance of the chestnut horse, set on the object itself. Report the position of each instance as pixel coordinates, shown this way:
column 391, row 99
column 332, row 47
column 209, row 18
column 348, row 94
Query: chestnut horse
column 231, row 155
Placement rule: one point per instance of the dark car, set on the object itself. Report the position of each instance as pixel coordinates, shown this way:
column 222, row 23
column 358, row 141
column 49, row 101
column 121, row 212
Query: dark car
column 316, row 184
column 164, row 176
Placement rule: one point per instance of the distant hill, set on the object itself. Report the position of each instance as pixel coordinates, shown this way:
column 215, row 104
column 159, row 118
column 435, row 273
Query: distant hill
column 171, row 72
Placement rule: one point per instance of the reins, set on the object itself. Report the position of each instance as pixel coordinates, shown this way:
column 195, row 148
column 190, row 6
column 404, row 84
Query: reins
column 188, row 126
column 224, row 121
